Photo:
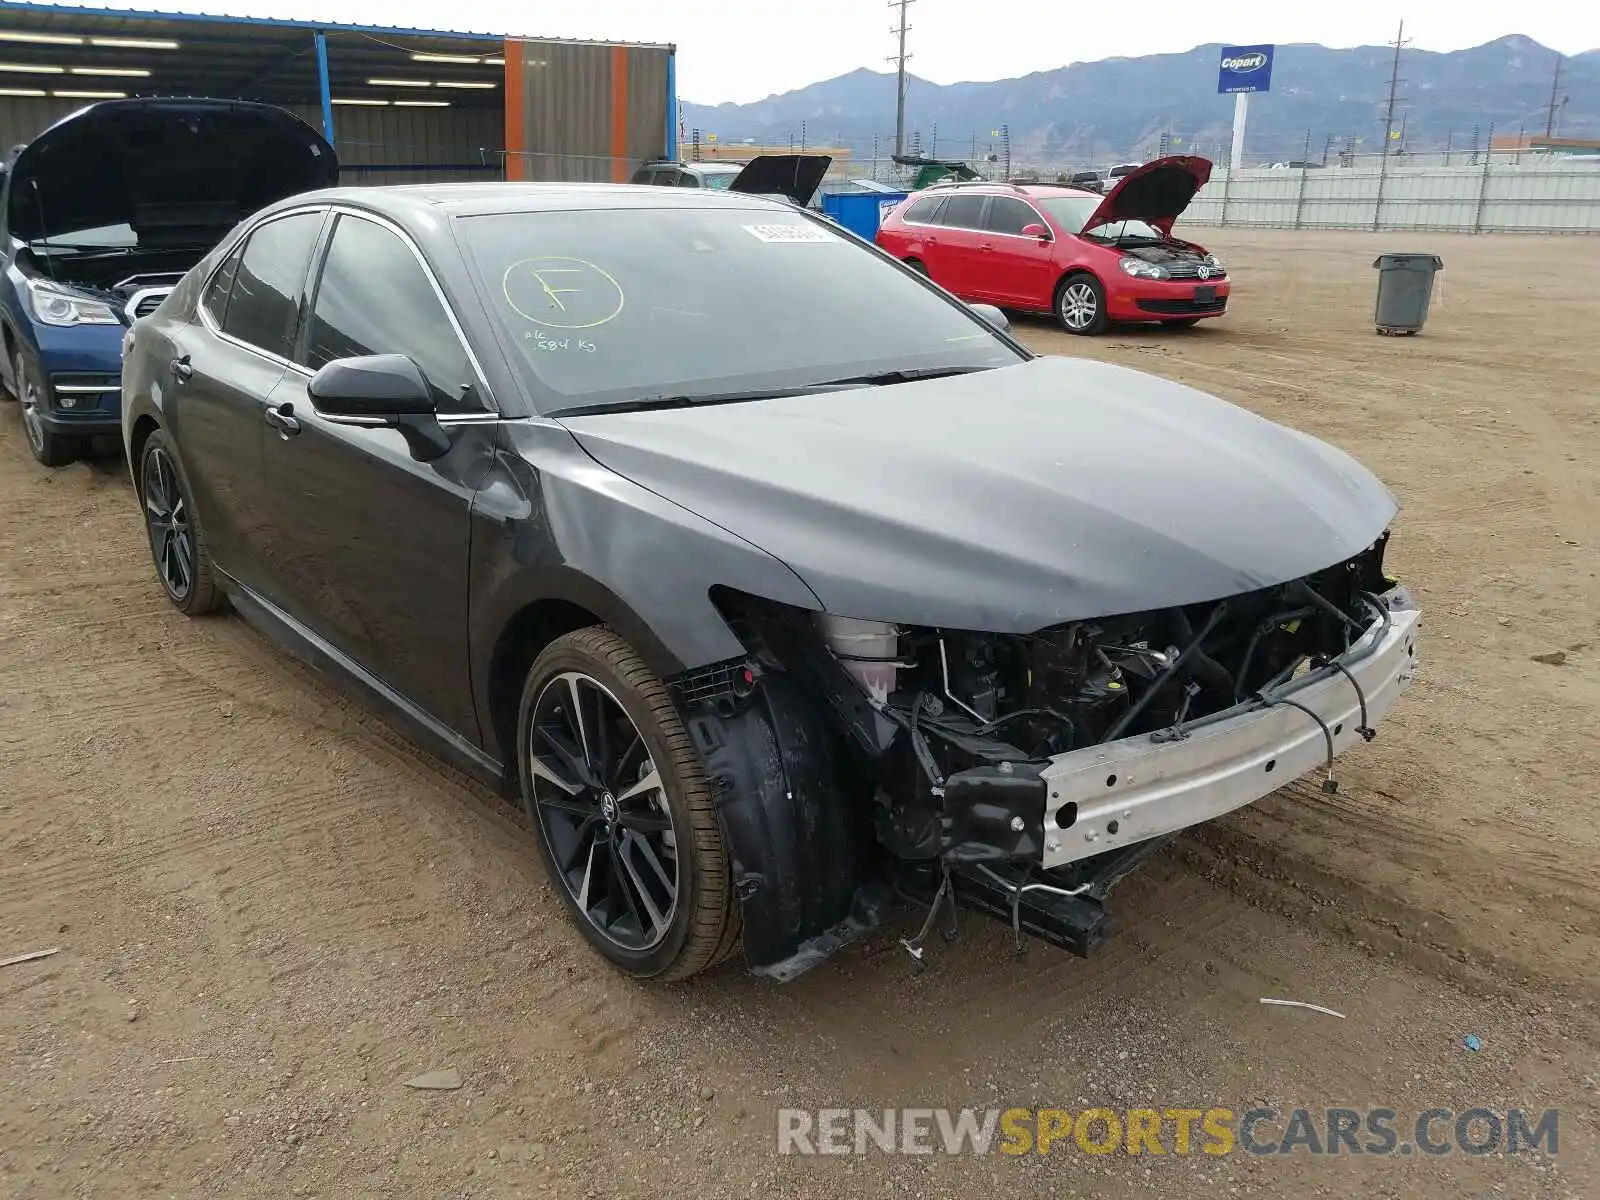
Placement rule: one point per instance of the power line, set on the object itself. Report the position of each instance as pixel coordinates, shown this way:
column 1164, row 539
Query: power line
column 899, row 60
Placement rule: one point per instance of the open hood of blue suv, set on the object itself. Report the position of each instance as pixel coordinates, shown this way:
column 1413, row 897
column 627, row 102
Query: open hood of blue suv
column 177, row 171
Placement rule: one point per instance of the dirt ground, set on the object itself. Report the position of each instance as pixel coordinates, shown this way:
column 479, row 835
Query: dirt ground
column 271, row 910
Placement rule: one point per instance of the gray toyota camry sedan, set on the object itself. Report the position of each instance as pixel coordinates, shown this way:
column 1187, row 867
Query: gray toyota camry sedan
column 777, row 585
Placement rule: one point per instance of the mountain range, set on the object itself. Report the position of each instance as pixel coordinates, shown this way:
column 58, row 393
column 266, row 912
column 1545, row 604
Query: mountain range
column 1120, row 107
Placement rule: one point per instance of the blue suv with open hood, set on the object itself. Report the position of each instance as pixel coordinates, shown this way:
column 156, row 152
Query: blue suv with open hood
column 101, row 216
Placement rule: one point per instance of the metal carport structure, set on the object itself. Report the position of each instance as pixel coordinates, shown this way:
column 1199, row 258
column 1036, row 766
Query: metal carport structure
column 399, row 104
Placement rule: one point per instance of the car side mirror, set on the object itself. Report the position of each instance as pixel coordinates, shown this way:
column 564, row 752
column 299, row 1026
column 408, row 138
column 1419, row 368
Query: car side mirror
column 1035, row 230
column 382, row 390
column 992, row 316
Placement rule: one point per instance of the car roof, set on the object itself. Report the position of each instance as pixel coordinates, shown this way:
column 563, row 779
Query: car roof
column 1039, row 191
column 432, row 200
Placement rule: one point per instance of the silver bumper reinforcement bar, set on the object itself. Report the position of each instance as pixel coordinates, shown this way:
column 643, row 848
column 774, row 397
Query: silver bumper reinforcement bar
column 1108, row 796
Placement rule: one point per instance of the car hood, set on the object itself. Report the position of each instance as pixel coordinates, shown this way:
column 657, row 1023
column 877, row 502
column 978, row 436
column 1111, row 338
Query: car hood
column 179, row 172
column 796, row 176
column 1007, row 500
column 1156, row 193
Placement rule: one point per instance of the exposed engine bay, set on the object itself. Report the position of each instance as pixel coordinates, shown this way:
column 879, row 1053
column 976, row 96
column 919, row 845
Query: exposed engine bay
column 131, row 281
column 1166, row 252
column 950, row 739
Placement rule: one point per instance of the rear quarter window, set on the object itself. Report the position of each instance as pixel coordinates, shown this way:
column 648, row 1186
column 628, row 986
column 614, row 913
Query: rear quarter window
column 924, row 211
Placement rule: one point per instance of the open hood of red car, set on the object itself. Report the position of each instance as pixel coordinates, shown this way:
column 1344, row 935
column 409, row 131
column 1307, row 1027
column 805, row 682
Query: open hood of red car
column 1156, row 193
column 796, row 176
column 174, row 170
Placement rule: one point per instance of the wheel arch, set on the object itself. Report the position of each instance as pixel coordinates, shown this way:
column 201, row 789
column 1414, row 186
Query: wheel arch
column 1071, row 273
column 528, row 614
column 137, row 437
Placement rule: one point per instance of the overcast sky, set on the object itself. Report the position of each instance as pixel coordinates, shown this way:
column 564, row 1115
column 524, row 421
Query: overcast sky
column 741, row 50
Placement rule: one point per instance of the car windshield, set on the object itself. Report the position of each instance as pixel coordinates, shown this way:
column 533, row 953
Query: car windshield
column 1070, row 212
column 621, row 306
column 101, row 237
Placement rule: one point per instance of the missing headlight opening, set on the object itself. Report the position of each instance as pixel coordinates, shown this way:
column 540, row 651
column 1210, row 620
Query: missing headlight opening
column 1024, row 774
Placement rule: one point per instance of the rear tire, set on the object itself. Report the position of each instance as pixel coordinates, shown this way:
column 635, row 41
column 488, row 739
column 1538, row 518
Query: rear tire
column 625, row 817
column 51, row 449
column 1081, row 305
column 177, row 543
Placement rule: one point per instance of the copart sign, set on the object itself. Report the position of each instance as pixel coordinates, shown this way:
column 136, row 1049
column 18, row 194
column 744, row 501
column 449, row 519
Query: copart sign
column 1244, row 69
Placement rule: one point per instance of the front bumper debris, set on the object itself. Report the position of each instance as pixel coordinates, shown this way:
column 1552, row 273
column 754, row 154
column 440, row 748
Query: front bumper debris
column 1105, row 797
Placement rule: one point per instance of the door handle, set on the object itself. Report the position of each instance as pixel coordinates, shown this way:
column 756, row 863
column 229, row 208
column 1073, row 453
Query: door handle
column 985, row 248
column 281, row 418
column 182, row 372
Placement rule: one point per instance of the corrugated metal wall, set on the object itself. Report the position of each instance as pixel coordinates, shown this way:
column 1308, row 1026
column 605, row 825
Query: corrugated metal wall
column 587, row 112
column 23, row 118
column 434, row 144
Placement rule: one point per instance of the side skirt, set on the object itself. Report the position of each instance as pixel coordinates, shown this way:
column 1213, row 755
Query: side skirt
column 295, row 638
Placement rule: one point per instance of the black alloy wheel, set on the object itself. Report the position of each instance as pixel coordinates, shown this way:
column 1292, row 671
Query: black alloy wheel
column 603, row 811
column 616, row 793
column 182, row 562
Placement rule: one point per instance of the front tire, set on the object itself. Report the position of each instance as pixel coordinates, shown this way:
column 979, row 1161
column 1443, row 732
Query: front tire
column 51, row 449
column 1081, row 305
column 183, row 564
column 619, row 801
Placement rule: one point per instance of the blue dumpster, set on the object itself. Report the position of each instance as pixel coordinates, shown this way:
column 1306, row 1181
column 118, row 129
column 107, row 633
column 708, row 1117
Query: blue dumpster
column 860, row 212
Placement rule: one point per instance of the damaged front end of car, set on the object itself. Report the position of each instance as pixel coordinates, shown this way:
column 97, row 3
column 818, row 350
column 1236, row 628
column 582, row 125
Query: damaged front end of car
column 1021, row 775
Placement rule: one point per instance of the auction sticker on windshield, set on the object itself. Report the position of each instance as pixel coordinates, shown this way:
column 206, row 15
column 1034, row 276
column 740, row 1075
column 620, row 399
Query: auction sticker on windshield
column 787, row 233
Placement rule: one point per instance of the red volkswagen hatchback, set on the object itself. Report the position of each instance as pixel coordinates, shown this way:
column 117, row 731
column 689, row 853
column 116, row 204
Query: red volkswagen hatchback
column 1087, row 258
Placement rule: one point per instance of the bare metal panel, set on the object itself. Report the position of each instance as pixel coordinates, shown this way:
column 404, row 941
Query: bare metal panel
column 647, row 102
column 567, row 110
column 571, row 130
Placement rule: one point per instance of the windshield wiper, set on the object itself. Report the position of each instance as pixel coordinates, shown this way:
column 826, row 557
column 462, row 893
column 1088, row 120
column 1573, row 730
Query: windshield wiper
column 908, row 375
column 649, row 403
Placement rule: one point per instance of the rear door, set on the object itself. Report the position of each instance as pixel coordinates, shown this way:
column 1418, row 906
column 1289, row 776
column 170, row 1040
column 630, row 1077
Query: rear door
column 958, row 265
column 373, row 543
column 224, row 368
column 1016, row 269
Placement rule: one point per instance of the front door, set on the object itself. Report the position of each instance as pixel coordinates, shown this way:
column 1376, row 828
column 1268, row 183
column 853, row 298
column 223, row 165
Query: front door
column 372, row 544
column 218, row 383
column 1017, row 268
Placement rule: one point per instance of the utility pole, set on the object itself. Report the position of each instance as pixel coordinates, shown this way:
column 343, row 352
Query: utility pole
column 1388, row 124
column 1555, row 87
column 899, row 60
column 1394, row 89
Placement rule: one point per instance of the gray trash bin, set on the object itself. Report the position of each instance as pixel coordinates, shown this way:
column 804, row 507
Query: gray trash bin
column 1405, row 285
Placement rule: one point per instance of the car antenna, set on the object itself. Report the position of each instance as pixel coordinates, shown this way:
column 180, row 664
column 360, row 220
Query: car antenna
column 44, row 229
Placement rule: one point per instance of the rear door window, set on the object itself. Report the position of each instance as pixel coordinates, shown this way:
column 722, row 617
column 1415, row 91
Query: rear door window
column 924, row 211
column 263, row 307
column 963, row 212
column 215, row 298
